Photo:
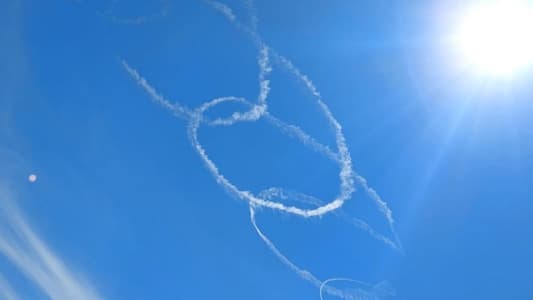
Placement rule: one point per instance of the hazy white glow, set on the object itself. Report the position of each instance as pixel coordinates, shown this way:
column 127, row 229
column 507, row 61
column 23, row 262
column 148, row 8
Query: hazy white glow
column 32, row 178
column 496, row 37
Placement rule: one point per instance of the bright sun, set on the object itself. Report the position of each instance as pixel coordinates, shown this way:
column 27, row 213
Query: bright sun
column 496, row 37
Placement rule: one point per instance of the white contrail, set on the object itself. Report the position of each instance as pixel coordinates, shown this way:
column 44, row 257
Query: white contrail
column 297, row 133
column 301, row 272
column 178, row 110
column 134, row 20
column 222, row 8
column 259, row 110
column 185, row 113
column 276, row 192
column 108, row 13
column 366, row 292
column 254, row 20
column 288, row 65
column 32, row 257
column 346, row 173
column 194, row 124
column 227, row 12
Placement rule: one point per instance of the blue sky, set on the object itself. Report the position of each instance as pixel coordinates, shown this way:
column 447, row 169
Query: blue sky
column 127, row 206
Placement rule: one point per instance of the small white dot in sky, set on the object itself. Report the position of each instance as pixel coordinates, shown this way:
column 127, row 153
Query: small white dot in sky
column 32, row 178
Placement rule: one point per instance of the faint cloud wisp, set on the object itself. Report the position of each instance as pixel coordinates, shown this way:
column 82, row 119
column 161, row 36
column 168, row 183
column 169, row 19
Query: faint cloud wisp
column 25, row 250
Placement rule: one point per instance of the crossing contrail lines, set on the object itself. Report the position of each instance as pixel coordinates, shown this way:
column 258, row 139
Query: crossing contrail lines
column 311, row 207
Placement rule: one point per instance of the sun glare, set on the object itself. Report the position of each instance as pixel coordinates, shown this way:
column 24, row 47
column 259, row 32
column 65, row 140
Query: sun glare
column 496, row 37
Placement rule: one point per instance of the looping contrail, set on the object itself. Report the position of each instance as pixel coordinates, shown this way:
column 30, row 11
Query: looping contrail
column 257, row 110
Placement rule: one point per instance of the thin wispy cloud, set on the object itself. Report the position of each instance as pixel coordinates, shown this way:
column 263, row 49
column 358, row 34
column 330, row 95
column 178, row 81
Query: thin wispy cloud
column 6, row 290
column 270, row 199
column 26, row 251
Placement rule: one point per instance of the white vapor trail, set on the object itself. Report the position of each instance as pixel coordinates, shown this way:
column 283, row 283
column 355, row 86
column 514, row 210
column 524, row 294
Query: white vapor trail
column 185, row 113
column 365, row 292
column 177, row 109
column 276, row 192
column 21, row 246
column 109, row 13
column 222, row 8
column 257, row 110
